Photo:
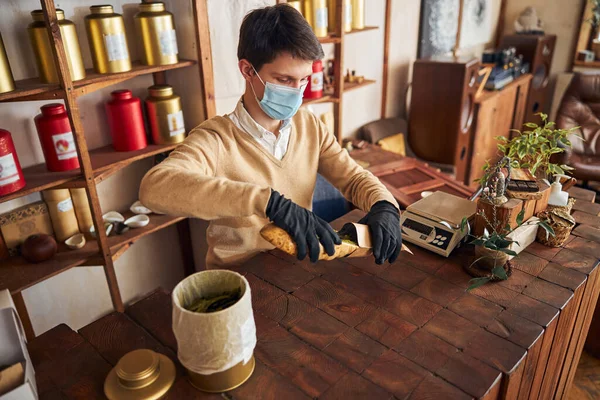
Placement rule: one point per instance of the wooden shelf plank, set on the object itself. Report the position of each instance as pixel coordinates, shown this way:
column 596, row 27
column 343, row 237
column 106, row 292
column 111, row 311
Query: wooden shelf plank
column 332, row 38
column 38, row 178
column 28, row 87
column 327, row 98
column 351, row 86
column 588, row 64
column 16, row 274
column 31, row 89
column 366, row 28
column 94, row 81
column 157, row 222
column 106, row 161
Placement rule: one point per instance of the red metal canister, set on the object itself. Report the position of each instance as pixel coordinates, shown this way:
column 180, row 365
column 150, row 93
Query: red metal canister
column 314, row 89
column 11, row 175
column 125, row 121
column 56, row 136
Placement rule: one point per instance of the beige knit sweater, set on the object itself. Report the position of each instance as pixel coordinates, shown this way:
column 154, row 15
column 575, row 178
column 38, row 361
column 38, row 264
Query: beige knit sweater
column 221, row 174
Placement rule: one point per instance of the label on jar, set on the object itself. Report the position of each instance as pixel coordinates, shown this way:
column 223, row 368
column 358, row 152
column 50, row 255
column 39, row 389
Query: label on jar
column 176, row 126
column 316, row 81
column 348, row 13
column 168, row 42
column 116, row 47
column 8, row 170
column 64, row 145
column 65, row 205
column 321, row 18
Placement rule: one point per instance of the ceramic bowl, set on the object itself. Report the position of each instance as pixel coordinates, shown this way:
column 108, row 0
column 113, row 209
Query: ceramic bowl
column 108, row 227
column 75, row 242
column 139, row 208
column 113, row 216
column 137, row 221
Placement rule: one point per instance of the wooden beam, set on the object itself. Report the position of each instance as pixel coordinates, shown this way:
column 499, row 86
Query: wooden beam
column 501, row 22
column 205, row 65
column 338, row 88
column 66, row 83
column 24, row 315
column 185, row 242
column 386, row 56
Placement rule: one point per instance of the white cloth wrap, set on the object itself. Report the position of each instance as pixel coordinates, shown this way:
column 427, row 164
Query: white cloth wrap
column 208, row 343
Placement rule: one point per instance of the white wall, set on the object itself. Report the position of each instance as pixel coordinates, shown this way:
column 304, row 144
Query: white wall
column 81, row 295
column 561, row 18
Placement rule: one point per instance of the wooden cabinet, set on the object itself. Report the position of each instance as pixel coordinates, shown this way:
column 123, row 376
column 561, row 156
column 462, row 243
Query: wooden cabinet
column 496, row 113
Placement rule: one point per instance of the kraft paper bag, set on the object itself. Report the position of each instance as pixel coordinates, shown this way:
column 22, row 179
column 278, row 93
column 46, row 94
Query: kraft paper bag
column 208, row 343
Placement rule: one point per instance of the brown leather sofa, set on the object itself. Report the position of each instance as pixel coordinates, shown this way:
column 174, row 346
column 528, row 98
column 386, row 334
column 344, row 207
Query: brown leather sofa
column 580, row 107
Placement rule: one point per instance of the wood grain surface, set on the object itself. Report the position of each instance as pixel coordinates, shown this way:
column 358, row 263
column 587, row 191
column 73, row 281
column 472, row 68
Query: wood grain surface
column 351, row 329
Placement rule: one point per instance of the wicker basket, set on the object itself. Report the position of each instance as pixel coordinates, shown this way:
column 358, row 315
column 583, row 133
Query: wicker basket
column 559, row 218
column 566, row 208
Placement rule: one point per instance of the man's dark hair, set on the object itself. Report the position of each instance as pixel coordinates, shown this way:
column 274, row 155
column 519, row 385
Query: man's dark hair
column 270, row 31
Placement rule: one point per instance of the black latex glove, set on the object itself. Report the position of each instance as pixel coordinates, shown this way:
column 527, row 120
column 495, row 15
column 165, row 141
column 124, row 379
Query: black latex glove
column 305, row 228
column 384, row 224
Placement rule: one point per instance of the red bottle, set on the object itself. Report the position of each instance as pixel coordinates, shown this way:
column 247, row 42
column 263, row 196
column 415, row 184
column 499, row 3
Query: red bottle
column 57, row 139
column 11, row 175
column 125, row 121
column 314, row 89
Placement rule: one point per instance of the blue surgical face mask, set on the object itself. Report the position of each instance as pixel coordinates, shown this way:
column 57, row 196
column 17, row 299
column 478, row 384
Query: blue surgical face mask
column 279, row 102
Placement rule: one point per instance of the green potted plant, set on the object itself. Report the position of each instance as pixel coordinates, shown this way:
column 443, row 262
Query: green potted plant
column 533, row 149
column 492, row 249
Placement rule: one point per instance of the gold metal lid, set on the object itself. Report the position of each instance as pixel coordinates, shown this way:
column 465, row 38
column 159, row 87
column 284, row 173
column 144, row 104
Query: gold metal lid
column 140, row 375
column 160, row 90
column 152, row 7
column 102, row 9
column 38, row 15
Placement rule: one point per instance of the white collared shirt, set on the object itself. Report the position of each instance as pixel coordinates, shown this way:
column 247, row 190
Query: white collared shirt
column 276, row 145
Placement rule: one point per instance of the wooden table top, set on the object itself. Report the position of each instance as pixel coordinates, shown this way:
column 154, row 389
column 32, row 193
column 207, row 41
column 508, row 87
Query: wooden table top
column 407, row 177
column 351, row 329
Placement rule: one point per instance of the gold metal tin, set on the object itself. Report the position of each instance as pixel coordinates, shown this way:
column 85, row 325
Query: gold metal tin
column 108, row 42
column 358, row 14
column 347, row 15
column 331, row 4
column 140, row 375
column 42, row 47
column 225, row 380
column 155, row 30
column 7, row 82
column 82, row 209
column 165, row 115
column 62, row 214
column 316, row 13
column 297, row 4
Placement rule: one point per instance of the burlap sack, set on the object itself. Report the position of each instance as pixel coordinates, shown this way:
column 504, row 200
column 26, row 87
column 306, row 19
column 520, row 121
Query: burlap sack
column 213, row 342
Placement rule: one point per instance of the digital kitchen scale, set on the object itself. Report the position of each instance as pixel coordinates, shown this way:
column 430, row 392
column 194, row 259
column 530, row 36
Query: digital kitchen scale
column 434, row 222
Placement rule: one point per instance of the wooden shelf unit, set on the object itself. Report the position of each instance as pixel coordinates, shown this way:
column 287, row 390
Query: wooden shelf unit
column 96, row 165
column 337, row 38
column 31, row 89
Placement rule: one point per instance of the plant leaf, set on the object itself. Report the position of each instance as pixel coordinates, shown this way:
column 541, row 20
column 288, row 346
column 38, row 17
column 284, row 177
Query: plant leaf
column 530, row 125
column 491, row 245
column 547, row 228
column 478, row 242
column 520, row 217
column 567, row 168
column 509, row 252
column 500, row 272
column 486, row 234
column 477, row 282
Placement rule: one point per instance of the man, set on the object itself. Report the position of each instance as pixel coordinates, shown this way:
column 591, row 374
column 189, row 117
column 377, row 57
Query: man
column 260, row 163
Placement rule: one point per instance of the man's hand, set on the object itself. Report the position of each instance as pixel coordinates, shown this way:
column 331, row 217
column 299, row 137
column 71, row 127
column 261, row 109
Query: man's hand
column 305, row 228
column 384, row 224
